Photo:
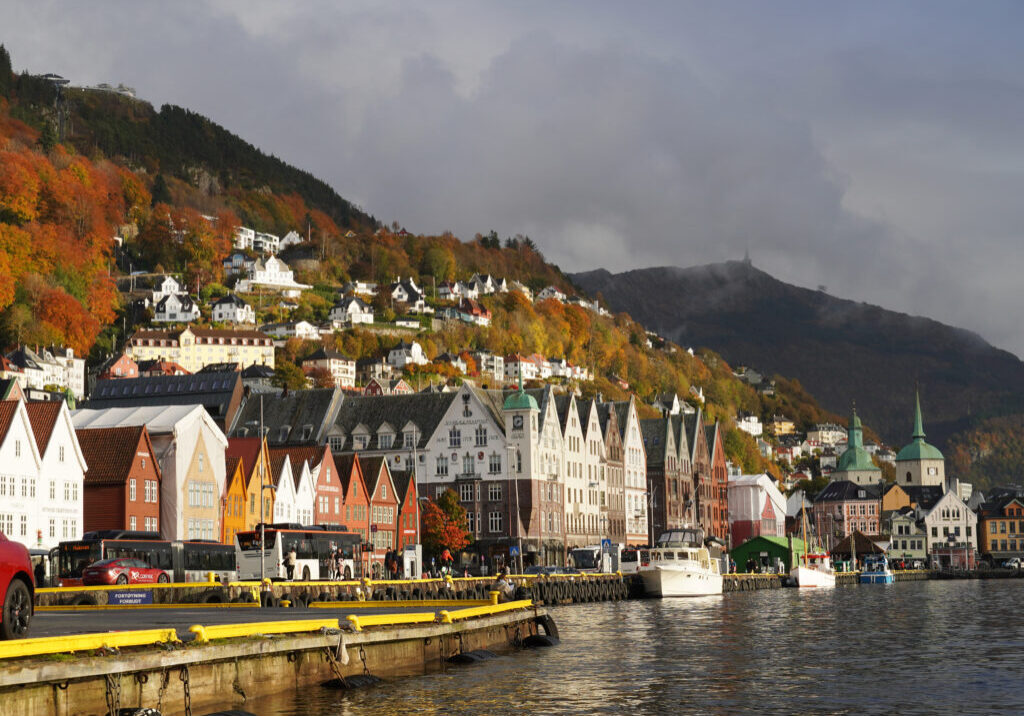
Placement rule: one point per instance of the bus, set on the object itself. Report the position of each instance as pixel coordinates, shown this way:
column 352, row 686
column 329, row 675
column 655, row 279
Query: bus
column 597, row 558
column 183, row 560
column 315, row 547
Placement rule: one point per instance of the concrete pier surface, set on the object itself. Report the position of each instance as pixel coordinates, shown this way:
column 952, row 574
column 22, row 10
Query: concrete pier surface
column 237, row 655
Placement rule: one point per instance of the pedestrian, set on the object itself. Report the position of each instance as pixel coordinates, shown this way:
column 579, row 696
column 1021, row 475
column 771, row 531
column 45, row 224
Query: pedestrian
column 40, row 574
column 289, row 563
column 506, row 590
column 339, row 561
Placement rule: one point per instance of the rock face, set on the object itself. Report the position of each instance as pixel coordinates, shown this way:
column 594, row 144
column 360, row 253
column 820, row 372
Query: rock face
column 839, row 350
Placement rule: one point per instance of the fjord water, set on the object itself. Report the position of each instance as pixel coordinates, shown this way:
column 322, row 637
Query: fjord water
column 909, row 648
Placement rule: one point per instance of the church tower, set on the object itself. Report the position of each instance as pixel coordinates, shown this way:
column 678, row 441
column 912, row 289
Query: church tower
column 855, row 463
column 919, row 463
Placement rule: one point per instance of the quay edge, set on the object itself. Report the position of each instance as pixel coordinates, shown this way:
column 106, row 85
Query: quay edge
column 239, row 671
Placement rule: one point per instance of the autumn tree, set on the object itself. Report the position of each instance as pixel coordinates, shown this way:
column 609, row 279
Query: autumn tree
column 444, row 524
column 288, row 375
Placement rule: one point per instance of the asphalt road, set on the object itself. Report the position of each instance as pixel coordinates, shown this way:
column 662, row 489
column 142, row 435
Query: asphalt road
column 63, row 623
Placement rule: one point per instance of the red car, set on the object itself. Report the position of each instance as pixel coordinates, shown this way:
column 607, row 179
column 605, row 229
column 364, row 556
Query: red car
column 122, row 571
column 17, row 588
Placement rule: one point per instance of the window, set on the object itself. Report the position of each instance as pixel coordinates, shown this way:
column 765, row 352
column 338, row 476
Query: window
column 200, row 462
column 494, row 492
column 494, row 463
column 935, row 531
column 359, row 442
column 454, row 438
column 336, row 442
column 494, row 522
column 337, row 505
column 53, row 527
column 131, row 491
column 53, row 490
column 131, row 522
column 481, row 436
column 67, row 490
column 385, row 440
column 471, row 522
column 17, row 448
column 384, row 492
column 442, row 466
column 466, row 491
column 24, row 525
column 468, row 464
column 60, row 453
column 408, row 439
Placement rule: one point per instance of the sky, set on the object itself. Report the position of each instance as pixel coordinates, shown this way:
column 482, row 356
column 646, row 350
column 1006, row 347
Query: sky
column 875, row 148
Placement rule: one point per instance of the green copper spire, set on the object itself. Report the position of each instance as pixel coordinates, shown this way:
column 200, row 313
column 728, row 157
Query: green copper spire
column 519, row 400
column 918, row 449
column 918, row 423
column 855, row 458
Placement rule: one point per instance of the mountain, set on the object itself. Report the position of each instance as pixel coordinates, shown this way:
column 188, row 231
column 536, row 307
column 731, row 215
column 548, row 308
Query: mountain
column 841, row 351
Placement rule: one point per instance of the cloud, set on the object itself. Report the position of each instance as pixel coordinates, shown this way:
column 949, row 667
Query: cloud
column 874, row 149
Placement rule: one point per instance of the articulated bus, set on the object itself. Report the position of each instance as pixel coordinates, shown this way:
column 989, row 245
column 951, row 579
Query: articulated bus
column 183, row 560
column 316, row 548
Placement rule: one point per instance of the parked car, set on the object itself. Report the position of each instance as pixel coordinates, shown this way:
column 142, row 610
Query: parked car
column 17, row 587
column 123, row 571
column 1013, row 563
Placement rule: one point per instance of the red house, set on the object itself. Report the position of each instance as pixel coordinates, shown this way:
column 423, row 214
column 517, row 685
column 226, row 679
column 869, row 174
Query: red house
column 408, row 509
column 356, row 496
column 383, row 506
column 719, row 483
column 119, row 367
column 121, row 490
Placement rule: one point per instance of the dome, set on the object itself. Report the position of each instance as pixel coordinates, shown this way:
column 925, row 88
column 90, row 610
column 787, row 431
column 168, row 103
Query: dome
column 520, row 400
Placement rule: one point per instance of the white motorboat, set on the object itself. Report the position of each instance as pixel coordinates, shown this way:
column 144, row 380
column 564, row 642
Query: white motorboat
column 814, row 570
column 680, row 565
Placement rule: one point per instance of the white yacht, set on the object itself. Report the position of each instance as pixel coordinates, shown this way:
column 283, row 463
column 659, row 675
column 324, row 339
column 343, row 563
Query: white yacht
column 680, row 565
column 813, row 570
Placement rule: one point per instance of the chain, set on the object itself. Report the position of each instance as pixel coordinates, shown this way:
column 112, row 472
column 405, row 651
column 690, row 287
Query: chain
column 141, row 679
column 164, row 681
column 332, row 660
column 362, row 657
column 113, row 694
column 186, row 690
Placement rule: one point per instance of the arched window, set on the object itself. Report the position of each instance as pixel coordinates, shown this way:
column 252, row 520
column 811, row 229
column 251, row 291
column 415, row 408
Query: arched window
column 908, row 477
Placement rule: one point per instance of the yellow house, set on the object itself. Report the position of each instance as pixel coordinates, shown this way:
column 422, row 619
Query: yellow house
column 193, row 347
column 234, row 501
column 255, row 471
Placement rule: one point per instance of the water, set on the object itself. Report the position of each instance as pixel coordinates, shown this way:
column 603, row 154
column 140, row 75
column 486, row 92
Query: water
column 909, row 648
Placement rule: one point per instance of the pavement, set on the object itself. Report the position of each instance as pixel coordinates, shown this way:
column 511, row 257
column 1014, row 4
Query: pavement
column 64, row 623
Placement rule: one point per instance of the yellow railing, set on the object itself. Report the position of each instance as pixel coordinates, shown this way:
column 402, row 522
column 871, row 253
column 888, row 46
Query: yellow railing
column 368, row 620
column 231, row 631
column 84, row 642
column 447, row 617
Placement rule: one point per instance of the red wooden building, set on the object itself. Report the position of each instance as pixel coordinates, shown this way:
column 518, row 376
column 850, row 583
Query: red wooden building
column 122, row 485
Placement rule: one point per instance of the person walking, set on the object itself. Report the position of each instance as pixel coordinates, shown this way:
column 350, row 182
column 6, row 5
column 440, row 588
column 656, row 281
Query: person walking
column 506, row 590
column 289, row 563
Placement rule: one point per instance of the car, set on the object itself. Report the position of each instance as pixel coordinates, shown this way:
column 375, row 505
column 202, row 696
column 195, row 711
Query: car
column 123, row 570
column 17, row 589
column 1013, row 563
column 539, row 570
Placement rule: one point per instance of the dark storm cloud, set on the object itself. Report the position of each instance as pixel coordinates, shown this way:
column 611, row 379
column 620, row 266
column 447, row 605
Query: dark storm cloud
column 874, row 149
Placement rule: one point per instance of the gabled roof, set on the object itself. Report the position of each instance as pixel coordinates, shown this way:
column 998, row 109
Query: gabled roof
column 325, row 354
column 425, row 410
column 230, row 300
column 315, row 409
column 402, row 480
column 844, row 490
column 43, row 418
column 655, row 434
column 925, row 496
column 245, row 449
column 110, row 453
column 214, row 391
column 298, row 454
column 374, row 470
column 158, row 419
column 277, row 463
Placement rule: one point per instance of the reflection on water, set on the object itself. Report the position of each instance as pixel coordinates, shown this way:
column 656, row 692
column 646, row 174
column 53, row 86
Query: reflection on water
column 913, row 648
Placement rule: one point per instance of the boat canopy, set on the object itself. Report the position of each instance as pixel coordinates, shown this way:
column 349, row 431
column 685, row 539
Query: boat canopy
column 686, row 537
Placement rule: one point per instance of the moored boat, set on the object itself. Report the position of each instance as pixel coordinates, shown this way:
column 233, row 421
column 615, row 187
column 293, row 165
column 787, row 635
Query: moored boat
column 681, row 565
column 814, row 570
column 876, row 570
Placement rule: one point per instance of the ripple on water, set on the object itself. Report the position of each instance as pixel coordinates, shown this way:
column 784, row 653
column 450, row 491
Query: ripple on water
column 909, row 648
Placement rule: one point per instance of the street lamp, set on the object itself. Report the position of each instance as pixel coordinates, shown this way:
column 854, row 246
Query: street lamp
column 511, row 467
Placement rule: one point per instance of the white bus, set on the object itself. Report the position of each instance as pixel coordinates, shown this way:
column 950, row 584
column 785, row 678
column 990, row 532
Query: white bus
column 316, row 548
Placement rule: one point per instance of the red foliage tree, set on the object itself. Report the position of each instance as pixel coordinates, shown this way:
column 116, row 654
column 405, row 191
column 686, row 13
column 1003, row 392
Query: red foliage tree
column 444, row 524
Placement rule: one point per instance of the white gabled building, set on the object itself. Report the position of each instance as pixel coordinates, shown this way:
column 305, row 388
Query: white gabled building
column 20, row 466
column 751, row 424
column 305, row 493
column 232, row 309
column 351, row 310
column 551, row 292
column 285, row 503
column 272, row 274
column 634, row 463
column 407, row 354
column 341, row 367
column 59, row 492
column 167, row 286
column 292, row 329
column 176, row 308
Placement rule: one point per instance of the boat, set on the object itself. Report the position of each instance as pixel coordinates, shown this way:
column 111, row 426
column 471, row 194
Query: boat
column 680, row 565
column 876, row 570
column 814, row 569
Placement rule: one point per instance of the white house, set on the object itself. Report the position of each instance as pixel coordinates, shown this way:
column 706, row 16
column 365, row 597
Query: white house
column 364, row 288
column 516, row 365
column 232, row 309
column 293, row 329
column 634, row 463
column 305, row 493
column 60, row 492
column 341, row 367
column 750, row 424
column 950, row 520
column 521, row 288
column 176, row 308
column 55, row 366
column 409, row 293
column 267, row 243
column 245, row 238
column 489, row 364
column 20, row 488
column 167, row 286
column 452, row 359
column 551, row 292
column 351, row 310
column 756, row 508
column 290, row 239
column 285, row 507
column 274, row 275
column 407, row 354
column 190, row 450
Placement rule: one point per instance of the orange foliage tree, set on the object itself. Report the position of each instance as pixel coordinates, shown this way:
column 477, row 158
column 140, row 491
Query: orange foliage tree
column 444, row 524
